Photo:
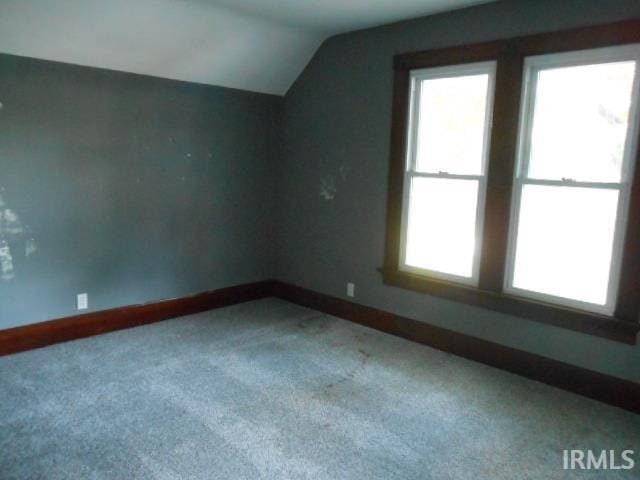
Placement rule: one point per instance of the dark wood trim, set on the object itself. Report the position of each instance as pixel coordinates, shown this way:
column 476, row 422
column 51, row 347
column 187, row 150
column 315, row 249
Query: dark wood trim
column 577, row 320
column 550, row 42
column 504, row 140
column 478, row 52
column 38, row 335
column 399, row 122
column 628, row 305
column 510, row 54
column 583, row 38
column 605, row 388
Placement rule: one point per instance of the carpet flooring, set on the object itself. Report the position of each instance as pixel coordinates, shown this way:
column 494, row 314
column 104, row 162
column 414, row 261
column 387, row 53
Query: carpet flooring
column 271, row 390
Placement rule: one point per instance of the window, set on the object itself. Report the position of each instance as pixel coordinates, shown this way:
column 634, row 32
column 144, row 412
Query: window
column 446, row 170
column 573, row 176
column 512, row 178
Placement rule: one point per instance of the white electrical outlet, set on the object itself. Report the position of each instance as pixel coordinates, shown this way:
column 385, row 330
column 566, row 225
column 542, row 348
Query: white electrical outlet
column 351, row 290
column 83, row 301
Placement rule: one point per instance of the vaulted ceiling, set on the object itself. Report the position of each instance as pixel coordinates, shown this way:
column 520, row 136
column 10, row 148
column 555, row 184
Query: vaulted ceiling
column 257, row 45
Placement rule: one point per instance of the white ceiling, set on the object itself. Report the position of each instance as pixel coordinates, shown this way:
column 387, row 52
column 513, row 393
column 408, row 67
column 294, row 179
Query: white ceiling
column 257, row 45
column 336, row 16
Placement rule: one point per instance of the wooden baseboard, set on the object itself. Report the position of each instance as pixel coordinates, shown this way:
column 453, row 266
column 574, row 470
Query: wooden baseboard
column 612, row 390
column 38, row 335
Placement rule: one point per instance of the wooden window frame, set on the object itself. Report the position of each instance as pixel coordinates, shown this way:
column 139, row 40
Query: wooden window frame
column 509, row 54
column 413, row 172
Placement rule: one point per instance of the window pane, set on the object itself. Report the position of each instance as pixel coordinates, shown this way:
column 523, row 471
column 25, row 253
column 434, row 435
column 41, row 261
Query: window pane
column 580, row 122
column 441, row 225
column 451, row 124
column 564, row 242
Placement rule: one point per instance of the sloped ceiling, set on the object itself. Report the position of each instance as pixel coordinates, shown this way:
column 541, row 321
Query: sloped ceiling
column 257, row 45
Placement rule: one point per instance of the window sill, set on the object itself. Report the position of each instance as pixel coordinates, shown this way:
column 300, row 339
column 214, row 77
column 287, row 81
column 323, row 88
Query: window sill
column 580, row 321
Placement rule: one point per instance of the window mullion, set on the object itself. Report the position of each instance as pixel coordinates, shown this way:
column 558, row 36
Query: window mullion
column 500, row 168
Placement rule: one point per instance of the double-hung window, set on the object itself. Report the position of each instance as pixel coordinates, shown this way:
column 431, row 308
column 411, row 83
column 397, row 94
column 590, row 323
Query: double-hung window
column 574, row 167
column 445, row 180
column 513, row 178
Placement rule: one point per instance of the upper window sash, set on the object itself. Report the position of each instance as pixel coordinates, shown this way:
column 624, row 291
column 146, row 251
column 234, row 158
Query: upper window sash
column 452, row 71
column 533, row 65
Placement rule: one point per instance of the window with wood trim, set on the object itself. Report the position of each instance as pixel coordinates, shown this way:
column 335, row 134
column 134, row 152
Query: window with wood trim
column 445, row 180
column 513, row 181
column 571, row 189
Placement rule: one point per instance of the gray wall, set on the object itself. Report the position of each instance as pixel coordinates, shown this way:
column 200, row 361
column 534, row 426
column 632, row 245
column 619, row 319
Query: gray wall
column 130, row 188
column 135, row 189
column 337, row 122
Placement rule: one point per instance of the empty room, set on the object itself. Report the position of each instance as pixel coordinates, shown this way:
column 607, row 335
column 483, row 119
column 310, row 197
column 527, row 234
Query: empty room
column 331, row 239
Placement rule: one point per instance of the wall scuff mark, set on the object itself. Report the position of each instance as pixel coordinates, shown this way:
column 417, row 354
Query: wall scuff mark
column 30, row 247
column 12, row 235
column 344, row 172
column 328, row 187
column 6, row 262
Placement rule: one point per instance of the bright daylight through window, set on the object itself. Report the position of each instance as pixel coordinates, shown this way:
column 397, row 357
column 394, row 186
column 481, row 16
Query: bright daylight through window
column 573, row 176
column 446, row 165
